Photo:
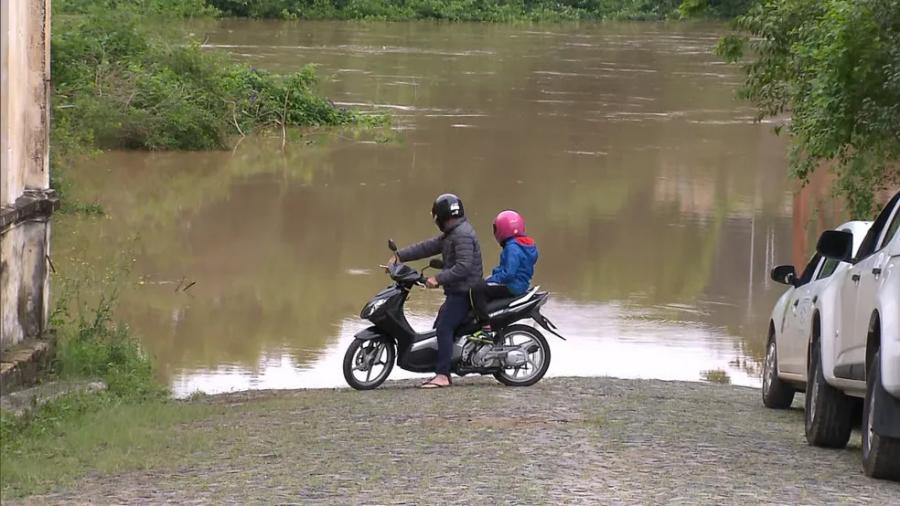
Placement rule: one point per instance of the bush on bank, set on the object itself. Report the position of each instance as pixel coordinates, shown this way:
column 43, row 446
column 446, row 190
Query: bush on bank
column 119, row 85
column 162, row 8
column 833, row 67
column 454, row 10
column 90, row 346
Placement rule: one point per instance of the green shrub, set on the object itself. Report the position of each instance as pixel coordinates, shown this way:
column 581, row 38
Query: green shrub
column 167, row 8
column 90, row 346
column 715, row 8
column 834, row 67
column 454, row 10
column 96, row 347
column 119, row 86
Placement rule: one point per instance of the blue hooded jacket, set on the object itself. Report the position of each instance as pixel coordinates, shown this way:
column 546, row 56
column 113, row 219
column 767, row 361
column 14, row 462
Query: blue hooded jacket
column 516, row 265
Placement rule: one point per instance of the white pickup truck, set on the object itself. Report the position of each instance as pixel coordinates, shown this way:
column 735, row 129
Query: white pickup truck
column 797, row 359
column 865, row 341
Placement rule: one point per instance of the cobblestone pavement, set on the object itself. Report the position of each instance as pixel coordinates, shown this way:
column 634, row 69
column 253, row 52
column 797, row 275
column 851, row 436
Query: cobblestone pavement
column 563, row 441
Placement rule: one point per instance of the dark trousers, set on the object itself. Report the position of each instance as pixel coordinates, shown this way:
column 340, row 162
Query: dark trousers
column 484, row 292
column 452, row 314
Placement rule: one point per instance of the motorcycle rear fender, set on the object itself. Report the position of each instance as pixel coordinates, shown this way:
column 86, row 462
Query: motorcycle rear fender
column 367, row 334
column 545, row 323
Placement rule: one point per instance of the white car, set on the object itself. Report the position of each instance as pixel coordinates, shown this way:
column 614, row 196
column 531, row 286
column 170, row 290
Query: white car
column 866, row 341
column 797, row 320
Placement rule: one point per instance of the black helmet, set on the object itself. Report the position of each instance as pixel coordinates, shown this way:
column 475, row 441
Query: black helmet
column 445, row 207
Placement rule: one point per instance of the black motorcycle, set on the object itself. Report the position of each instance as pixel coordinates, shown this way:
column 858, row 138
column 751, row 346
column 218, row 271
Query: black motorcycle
column 516, row 355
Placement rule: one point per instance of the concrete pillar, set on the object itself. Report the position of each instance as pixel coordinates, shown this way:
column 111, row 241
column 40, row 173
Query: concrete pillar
column 26, row 201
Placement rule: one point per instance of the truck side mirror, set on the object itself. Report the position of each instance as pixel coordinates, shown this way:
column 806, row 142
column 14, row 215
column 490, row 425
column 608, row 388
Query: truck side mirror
column 784, row 274
column 836, row 244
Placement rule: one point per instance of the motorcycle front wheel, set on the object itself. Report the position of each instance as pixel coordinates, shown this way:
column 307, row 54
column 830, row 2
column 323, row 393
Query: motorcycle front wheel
column 538, row 360
column 368, row 363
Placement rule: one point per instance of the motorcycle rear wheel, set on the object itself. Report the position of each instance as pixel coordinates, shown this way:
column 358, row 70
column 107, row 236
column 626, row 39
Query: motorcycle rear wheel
column 538, row 361
column 364, row 357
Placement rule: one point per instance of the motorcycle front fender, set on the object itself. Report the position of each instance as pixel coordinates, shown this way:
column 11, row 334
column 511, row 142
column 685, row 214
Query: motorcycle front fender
column 368, row 334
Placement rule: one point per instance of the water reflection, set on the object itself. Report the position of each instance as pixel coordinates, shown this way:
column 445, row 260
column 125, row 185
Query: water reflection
column 657, row 204
column 607, row 340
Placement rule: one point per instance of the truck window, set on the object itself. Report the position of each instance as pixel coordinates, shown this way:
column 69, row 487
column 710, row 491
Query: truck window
column 810, row 269
column 892, row 229
column 870, row 242
column 828, row 268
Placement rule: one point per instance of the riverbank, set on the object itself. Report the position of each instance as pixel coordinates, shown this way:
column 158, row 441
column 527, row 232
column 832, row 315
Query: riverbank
column 493, row 11
column 563, row 440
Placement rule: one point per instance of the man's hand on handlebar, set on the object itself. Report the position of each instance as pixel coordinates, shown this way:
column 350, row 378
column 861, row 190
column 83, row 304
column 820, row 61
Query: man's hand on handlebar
column 432, row 282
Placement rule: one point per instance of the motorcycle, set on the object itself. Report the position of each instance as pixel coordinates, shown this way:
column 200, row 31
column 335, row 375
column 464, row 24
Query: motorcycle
column 516, row 355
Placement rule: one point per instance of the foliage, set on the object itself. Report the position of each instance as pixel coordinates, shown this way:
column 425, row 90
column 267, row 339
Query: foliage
column 167, row 8
column 834, row 66
column 93, row 346
column 90, row 346
column 85, row 434
column 453, row 10
column 69, row 205
column 715, row 8
column 716, row 376
column 116, row 85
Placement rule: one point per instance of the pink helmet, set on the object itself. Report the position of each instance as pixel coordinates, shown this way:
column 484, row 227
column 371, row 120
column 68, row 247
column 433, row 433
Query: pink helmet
column 508, row 224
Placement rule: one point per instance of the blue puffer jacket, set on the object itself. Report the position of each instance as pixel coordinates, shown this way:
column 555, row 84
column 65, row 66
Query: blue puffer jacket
column 516, row 265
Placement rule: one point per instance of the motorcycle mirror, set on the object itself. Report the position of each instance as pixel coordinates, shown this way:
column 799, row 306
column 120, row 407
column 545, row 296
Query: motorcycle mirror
column 392, row 245
column 434, row 263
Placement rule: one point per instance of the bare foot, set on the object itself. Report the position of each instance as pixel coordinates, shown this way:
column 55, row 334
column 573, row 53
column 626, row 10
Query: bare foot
column 439, row 381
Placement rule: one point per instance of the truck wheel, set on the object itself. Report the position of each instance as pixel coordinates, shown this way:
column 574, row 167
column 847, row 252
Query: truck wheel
column 776, row 394
column 829, row 413
column 881, row 455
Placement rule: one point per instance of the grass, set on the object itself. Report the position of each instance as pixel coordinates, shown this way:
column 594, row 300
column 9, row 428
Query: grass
column 396, row 10
column 123, row 82
column 716, row 376
column 85, row 434
column 69, row 205
column 497, row 11
column 127, row 427
column 81, row 208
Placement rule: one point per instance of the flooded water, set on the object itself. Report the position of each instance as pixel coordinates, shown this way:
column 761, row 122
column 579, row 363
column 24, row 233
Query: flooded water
column 657, row 203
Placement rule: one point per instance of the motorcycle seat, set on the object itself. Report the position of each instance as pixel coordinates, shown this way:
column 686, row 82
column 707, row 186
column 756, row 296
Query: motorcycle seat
column 498, row 304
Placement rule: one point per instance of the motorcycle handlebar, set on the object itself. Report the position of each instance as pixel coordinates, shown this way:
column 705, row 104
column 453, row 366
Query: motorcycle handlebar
column 419, row 282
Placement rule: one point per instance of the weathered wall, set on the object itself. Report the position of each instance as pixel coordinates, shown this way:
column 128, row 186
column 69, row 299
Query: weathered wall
column 25, row 63
column 23, row 251
column 24, row 168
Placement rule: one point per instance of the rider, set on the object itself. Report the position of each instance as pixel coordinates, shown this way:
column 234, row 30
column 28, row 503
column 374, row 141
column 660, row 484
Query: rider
column 461, row 253
column 512, row 276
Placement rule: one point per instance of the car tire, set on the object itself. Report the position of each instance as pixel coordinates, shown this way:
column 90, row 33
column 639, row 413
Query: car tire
column 776, row 394
column 829, row 413
column 881, row 455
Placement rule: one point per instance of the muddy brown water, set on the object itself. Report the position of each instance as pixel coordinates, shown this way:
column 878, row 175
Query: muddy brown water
column 657, row 203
